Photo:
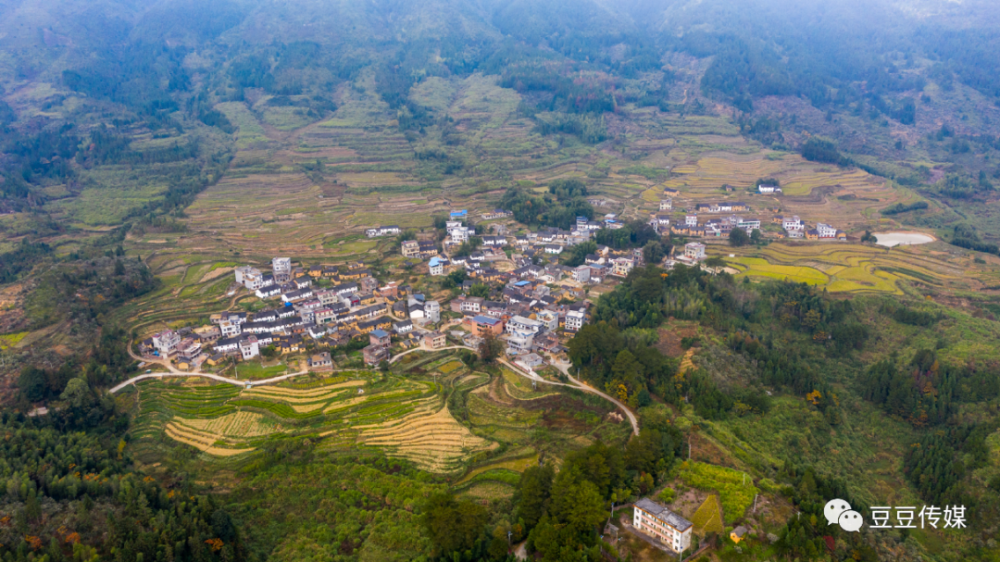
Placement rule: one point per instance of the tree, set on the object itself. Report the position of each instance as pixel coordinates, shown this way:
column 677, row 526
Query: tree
column 533, row 494
column 490, row 348
column 32, row 383
column 654, row 251
column 454, row 526
column 738, row 237
column 479, row 290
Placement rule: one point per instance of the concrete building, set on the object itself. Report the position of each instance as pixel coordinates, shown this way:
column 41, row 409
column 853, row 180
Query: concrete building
column 432, row 311
column 166, row 342
column 434, row 340
column 282, row 269
column 524, row 325
column 249, row 347
column 662, row 524
column 694, row 250
column 481, row 325
column 575, row 319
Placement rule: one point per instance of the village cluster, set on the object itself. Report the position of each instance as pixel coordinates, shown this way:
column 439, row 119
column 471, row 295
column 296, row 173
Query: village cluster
column 792, row 227
column 329, row 306
column 532, row 302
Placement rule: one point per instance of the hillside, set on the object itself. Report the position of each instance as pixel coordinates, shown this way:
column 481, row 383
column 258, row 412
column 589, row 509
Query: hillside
column 149, row 148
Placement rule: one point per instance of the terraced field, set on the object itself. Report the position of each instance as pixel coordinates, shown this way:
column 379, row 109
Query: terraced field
column 404, row 418
column 855, row 268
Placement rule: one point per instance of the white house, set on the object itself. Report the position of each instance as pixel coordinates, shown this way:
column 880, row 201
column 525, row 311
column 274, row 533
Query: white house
column 666, row 204
column 523, row 325
column 282, row 269
column 575, row 319
column 376, row 232
column 553, row 249
column 436, row 266
column 826, row 231
column 494, row 241
column 249, row 347
column 432, row 311
column 694, row 250
column 249, row 277
column 581, row 274
column 691, row 220
column 748, row 224
column 659, row 522
column 768, row 189
column 549, row 320
column 166, row 342
column 621, row 267
column 792, row 223
column 229, row 329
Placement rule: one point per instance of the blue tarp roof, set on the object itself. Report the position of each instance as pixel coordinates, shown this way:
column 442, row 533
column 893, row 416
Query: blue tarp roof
column 380, row 333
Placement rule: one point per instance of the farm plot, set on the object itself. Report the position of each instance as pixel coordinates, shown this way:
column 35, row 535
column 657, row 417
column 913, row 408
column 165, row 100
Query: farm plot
column 404, row 418
column 857, row 268
column 433, row 441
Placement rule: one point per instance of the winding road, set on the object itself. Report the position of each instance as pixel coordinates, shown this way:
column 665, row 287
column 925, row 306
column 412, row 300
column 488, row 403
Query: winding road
column 529, row 374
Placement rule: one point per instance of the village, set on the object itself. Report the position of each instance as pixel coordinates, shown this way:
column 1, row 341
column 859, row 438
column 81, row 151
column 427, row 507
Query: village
column 511, row 288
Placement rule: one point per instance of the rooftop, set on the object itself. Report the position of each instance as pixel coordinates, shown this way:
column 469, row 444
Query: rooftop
column 663, row 514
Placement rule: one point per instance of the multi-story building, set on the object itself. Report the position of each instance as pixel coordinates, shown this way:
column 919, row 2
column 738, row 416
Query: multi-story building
column 621, row 267
column 826, row 231
column 166, row 342
column 666, row 204
column 432, row 311
column 694, row 251
column 575, row 319
column 662, row 524
column 524, row 325
column 437, row 266
column 481, row 325
column 282, row 269
column 249, row 347
column 792, row 223
column 410, row 249
column 434, row 340
column 690, row 220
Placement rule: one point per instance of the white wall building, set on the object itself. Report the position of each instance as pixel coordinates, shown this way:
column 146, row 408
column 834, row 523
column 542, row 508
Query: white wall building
column 575, row 319
column 659, row 522
column 282, row 269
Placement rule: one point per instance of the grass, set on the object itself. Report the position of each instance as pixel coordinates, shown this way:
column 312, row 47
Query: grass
column 707, row 518
column 736, row 488
column 11, row 340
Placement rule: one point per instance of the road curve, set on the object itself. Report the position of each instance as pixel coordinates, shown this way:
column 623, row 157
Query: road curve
column 174, row 372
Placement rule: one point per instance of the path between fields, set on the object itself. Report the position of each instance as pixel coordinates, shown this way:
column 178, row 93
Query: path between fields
column 175, row 372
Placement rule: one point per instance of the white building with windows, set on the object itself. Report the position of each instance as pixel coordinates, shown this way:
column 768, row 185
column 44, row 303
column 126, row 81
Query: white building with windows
column 249, row 348
column 826, row 231
column 694, row 251
column 666, row 204
column 282, row 269
column 575, row 319
column 378, row 231
column 792, row 223
column 166, row 342
column 662, row 524
column 524, row 325
column 768, row 189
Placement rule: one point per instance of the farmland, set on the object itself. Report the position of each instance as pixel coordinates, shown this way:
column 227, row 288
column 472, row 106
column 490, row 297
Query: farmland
column 399, row 416
column 856, row 268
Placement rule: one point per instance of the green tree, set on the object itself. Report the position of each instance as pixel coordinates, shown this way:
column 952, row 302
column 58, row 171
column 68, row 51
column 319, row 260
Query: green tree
column 738, row 237
column 453, row 525
column 533, row 493
column 490, row 348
